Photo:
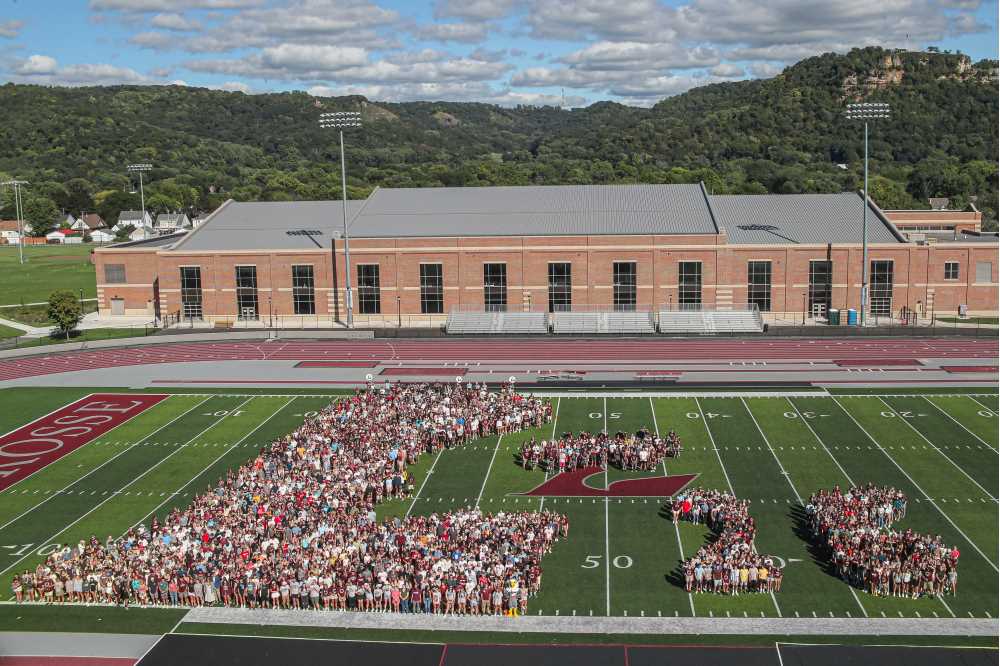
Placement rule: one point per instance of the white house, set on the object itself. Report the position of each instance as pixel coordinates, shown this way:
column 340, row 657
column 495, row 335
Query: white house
column 168, row 223
column 8, row 233
column 88, row 222
column 55, row 237
column 134, row 218
column 102, row 236
column 66, row 222
column 141, row 233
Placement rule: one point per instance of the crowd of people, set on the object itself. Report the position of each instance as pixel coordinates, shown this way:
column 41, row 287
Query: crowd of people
column 729, row 563
column 855, row 527
column 296, row 526
column 640, row 451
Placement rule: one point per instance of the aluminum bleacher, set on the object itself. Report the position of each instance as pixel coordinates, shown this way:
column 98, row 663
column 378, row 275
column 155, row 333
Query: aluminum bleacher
column 710, row 322
column 614, row 323
column 497, row 323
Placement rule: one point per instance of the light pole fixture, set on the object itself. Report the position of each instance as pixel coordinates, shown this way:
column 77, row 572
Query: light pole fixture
column 16, row 185
column 865, row 111
column 140, row 169
column 341, row 120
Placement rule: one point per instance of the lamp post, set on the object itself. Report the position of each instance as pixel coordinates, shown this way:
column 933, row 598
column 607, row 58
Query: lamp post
column 16, row 186
column 399, row 313
column 339, row 120
column 140, row 169
column 865, row 111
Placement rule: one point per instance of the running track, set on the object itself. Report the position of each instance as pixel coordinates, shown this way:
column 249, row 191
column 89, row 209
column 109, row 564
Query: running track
column 503, row 350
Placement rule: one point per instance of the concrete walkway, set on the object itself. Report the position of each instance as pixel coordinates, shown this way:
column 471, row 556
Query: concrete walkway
column 29, row 331
column 545, row 624
column 59, row 644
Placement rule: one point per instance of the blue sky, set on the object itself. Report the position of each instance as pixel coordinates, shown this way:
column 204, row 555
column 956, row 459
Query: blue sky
column 500, row 51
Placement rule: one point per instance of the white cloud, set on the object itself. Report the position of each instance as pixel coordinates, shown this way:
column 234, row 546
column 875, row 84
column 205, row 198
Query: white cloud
column 46, row 70
column 452, row 32
column 607, row 55
column 727, row 70
column 10, row 29
column 170, row 5
column 157, row 41
column 175, row 22
column 460, row 92
column 475, row 9
column 36, row 65
column 235, row 86
column 764, row 70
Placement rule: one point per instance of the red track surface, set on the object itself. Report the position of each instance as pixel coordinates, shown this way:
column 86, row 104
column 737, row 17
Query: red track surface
column 970, row 368
column 504, row 350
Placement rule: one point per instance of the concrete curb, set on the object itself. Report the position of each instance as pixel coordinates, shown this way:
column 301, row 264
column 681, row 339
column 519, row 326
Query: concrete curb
column 59, row 644
column 546, row 624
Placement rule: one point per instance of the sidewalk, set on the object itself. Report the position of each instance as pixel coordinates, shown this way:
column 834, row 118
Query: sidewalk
column 59, row 644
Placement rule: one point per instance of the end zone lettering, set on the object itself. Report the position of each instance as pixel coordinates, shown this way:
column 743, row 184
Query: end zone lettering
column 42, row 442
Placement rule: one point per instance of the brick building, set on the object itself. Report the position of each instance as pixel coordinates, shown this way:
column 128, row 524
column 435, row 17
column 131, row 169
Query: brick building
column 417, row 254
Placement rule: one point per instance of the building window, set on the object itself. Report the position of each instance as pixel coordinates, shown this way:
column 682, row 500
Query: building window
column 114, row 273
column 369, row 298
column 431, row 289
column 689, row 284
column 560, row 287
column 623, row 286
column 303, row 290
column 984, row 272
column 951, row 270
column 191, row 292
column 820, row 286
column 881, row 288
column 759, row 284
column 246, row 292
column 495, row 287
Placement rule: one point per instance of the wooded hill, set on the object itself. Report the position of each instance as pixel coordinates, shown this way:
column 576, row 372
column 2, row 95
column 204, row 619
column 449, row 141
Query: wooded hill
column 787, row 134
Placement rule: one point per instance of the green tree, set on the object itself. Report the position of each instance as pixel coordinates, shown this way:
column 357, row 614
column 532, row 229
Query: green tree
column 41, row 213
column 65, row 311
column 114, row 203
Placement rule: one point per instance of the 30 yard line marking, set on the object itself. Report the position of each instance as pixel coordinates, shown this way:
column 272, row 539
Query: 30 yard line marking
column 846, row 476
column 106, row 462
column 933, row 446
column 132, row 481
column 960, row 424
column 917, row 486
column 208, row 466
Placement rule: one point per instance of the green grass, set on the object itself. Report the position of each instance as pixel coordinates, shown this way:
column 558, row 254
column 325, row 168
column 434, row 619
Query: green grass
column 46, row 269
column 38, row 315
column 89, row 619
column 9, row 332
column 992, row 321
column 939, row 449
column 89, row 335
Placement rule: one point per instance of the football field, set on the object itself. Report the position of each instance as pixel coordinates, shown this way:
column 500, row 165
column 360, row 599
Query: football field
column 623, row 553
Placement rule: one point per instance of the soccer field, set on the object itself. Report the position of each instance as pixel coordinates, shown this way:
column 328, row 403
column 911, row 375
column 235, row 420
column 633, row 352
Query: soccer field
column 623, row 553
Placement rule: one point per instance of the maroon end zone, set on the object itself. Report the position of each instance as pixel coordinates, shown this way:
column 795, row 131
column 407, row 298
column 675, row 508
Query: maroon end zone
column 572, row 484
column 30, row 448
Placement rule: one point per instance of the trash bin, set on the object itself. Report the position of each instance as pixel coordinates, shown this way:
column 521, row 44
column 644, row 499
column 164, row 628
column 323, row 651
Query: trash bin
column 834, row 317
column 852, row 317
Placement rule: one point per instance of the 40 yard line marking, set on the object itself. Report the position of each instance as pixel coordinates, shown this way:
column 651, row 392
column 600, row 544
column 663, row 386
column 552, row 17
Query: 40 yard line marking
column 917, row 486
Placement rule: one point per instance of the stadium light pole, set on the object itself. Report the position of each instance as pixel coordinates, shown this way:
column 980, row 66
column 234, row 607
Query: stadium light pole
column 340, row 120
column 140, row 169
column 865, row 111
column 16, row 185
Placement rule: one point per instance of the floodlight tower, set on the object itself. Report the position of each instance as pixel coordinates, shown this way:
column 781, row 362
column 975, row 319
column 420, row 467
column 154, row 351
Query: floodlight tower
column 865, row 111
column 340, row 120
column 140, row 169
column 16, row 185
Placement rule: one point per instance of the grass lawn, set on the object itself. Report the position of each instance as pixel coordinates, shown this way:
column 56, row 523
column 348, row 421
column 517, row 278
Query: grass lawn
column 37, row 315
column 970, row 320
column 46, row 269
column 86, row 336
column 9, row 332
column 623, row 553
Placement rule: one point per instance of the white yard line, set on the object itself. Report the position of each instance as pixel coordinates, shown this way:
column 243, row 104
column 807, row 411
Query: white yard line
column 846, row 476
column 715, row 447
column 113, row 495
column 960, row 425
column 488, row 470
column 607, row 528
column 784, row 472
column 426, row 479
column 555, row 420
column 225, row 451
column 946, row 456
column 106, row 462
column 917, row 486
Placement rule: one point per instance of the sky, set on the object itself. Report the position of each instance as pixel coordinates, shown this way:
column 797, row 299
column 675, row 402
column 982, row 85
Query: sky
column 558, row 52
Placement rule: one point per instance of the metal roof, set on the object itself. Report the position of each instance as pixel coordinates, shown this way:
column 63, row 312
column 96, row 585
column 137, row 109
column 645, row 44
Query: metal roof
column 757, row 219
column 270, row 225
column 534, row 211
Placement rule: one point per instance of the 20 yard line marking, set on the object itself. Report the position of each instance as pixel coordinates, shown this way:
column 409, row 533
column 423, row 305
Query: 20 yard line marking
column 144, row 473
column 941, row 409
column 917, row 486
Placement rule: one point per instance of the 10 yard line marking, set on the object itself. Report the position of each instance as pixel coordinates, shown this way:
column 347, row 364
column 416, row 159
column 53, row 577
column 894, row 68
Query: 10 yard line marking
column 147, row 471
column 915, row 485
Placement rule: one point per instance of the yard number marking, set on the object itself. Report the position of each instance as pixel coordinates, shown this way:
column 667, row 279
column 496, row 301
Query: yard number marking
column 594, row 561
column 600, row 415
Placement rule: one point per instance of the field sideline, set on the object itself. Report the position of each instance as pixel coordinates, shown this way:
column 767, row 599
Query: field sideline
column 622, row 555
